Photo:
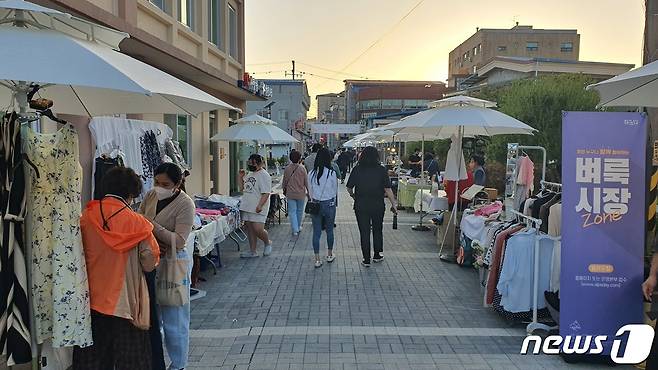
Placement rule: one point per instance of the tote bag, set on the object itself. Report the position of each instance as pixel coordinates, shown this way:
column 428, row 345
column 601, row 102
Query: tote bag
column 172, row 282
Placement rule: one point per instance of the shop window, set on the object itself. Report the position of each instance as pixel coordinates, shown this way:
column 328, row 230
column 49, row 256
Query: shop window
column 532, row 46
column 181, row 125
column 214, row 23
column 566, row 47
column 186, row 13
column 233, row 31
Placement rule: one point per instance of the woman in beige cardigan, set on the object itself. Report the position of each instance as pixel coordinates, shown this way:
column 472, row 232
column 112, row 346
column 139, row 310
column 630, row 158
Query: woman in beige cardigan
column 171, row 211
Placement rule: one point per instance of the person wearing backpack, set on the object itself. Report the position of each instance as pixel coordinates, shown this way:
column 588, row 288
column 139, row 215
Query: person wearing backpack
column 295, row 188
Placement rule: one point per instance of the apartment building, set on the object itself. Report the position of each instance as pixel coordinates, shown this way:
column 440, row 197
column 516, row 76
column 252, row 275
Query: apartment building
column 519, row 41
column 202, row 43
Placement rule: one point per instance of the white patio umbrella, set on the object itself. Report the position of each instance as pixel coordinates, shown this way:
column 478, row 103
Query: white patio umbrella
column 255, row 128
column 460, row 116
column 636, row 88
column 77, row 64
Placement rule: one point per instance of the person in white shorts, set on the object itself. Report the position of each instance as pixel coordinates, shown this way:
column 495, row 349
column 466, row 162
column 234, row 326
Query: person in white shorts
column 256, row 187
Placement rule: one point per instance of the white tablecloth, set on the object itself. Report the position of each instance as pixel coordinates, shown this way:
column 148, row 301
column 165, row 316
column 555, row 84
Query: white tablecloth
column 204, row 239
column 430, row 202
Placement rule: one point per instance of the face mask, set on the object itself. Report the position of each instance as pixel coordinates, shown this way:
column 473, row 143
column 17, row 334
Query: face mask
column 251, row 167
column 163, row 193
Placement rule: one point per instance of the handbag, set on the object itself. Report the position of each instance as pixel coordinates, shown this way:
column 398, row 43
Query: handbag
column 172, row 282
column 313, row 206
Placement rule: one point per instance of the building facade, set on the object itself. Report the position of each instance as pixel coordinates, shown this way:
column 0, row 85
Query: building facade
column 288, row 107
column 199, row 41
column 331, row 107
column 519, row 41
column 365, row 99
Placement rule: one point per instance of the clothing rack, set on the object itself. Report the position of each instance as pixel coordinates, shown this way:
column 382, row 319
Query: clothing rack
column 554, row 185
column 535, row 324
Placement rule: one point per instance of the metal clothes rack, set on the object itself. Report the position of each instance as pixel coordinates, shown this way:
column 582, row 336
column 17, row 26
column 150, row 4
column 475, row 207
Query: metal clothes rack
column 535, row 324
column 554, row 185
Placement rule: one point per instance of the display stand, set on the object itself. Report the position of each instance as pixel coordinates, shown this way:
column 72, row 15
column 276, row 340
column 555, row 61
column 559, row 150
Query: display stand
column 535, row 324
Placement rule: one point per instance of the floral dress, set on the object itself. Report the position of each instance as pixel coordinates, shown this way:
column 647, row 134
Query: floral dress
column 60, row 289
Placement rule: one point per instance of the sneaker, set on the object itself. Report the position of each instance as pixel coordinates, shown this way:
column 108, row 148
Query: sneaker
column 295, row 233
column 248, row 254
column 268, row 250
column 318, row 263
column 365, row 263
column 331, row 258
column 378, row 258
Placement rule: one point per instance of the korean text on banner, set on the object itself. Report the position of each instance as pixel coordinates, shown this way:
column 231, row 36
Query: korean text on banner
column 603, row 221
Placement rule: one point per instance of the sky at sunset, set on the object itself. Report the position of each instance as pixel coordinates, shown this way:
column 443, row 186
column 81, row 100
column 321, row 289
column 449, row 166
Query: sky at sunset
column 328, row 36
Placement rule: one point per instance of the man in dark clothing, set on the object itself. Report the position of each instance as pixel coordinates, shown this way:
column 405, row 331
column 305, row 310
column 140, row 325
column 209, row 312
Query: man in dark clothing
column 431, row 165
column 415, row 163
column 343, row 162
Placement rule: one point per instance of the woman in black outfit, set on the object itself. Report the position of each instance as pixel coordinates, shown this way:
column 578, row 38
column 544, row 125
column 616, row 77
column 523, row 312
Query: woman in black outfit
column 368, row 184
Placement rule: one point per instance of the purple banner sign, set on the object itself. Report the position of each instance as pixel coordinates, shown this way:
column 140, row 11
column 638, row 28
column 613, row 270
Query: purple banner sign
column 603, row 222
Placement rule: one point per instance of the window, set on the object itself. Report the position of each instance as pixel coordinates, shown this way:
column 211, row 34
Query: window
column 283, row 115
column 479, row 48
column 475, row 69
column 181, row 127
column 183, row 134
column 502, row 48
column 214, row 23
column 186, row 13
column 566, row 47
column 233, row 32
column 475, row 51
column 391, row 104
column 532, row 46
column 159, row 3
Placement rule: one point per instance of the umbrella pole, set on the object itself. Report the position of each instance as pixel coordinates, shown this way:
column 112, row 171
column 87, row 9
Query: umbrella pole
column 453, row 214
column 420, row 226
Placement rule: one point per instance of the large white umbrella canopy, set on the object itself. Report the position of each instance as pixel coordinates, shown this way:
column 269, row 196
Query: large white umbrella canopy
column 85, row 77
column 462, row 100
column 636, row 88
column 464, row 120
column 255, row 128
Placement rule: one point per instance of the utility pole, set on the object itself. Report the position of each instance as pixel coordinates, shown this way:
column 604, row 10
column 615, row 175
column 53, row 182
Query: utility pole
column 293, row 69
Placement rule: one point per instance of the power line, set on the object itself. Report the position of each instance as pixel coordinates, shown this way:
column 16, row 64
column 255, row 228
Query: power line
column 383, row 36
column 268, row 63
column 320, row 76
column 332, row 70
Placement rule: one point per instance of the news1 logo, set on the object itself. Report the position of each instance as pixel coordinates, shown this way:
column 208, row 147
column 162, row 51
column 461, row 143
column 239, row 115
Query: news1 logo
column 638, row 344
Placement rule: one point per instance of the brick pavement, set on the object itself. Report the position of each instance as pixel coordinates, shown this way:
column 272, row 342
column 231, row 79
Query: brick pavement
column 411, row 311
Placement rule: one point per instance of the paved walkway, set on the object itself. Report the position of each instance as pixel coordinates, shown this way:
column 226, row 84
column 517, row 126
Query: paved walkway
column 409, row 312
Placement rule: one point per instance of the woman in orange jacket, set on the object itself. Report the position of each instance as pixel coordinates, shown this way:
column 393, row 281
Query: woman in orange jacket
column 119, row 247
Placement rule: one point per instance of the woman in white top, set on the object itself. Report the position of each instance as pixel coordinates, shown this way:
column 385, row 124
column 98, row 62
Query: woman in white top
column 323, row 188
column 256, row 187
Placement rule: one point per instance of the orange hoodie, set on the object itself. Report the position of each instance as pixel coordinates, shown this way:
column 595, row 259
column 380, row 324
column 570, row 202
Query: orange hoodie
column 117, row 258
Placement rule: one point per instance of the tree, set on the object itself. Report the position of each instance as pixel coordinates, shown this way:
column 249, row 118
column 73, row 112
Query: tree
column 539, row 102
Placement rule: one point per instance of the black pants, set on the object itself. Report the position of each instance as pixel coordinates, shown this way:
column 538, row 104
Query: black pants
column 118, row 345
column 370, row 219
column 343, row 173
column 157, row 353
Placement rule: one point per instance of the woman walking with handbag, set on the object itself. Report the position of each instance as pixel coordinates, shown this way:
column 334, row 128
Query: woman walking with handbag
column 368, row 184
column 171, row 211
column 295, row 188
column 323, row 189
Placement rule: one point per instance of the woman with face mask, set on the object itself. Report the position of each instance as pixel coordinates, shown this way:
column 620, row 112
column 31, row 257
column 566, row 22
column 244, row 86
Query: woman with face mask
column 171, row 211
column 256, row 187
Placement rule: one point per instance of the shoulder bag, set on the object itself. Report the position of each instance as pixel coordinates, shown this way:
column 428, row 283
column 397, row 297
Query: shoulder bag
column 313, row 206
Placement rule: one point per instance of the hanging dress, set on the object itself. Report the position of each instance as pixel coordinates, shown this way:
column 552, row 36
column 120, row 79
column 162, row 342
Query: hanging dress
column 15, row 341
column 60, row 289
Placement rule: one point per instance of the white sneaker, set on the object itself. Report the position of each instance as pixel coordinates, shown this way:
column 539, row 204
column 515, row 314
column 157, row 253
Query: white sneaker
column 268, row 250
column 331, row 258
column 295, row 234
column 318, row 263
